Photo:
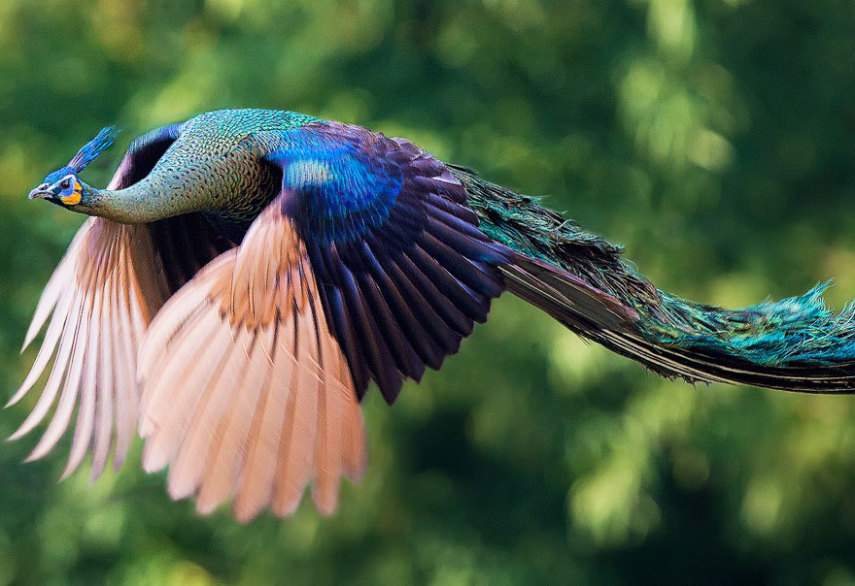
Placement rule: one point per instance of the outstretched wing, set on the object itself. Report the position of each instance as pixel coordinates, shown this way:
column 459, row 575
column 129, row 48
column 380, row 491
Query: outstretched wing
column 245, row 391
column 98, row 303
column 402, row 269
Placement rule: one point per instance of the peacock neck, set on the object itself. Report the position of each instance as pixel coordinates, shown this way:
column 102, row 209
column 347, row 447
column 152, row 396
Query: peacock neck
column 143, row 202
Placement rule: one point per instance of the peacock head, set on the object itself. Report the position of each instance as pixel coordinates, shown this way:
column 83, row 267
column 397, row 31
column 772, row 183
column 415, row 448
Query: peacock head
column 62, row 187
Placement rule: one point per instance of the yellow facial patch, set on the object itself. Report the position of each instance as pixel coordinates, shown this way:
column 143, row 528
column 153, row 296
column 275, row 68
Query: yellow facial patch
column 75, row 196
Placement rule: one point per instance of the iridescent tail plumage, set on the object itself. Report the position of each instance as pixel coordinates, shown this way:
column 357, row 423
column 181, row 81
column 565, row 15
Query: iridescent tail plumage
column 796, row 344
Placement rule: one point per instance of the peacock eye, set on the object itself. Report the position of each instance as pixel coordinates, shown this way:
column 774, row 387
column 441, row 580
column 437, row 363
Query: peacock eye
column 65, row 183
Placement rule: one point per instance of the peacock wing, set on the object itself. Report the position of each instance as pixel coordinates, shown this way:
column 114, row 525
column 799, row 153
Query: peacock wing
column 402, row 268
column 97, row 304
column 367, row 266
column 245, row 392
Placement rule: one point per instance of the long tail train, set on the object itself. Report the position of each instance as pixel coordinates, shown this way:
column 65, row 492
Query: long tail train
column 796, row 344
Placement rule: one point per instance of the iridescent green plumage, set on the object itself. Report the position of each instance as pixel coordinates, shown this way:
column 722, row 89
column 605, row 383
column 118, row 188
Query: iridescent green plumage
column 793, row 344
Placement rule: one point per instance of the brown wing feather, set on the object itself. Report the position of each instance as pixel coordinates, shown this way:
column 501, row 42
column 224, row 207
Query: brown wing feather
column 99, row 301
column 245, row 391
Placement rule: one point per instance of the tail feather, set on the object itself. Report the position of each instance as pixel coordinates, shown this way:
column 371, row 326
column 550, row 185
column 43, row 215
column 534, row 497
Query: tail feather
column 584, row 282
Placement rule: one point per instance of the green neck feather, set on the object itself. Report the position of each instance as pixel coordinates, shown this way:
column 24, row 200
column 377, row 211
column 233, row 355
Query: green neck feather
column 145, row 201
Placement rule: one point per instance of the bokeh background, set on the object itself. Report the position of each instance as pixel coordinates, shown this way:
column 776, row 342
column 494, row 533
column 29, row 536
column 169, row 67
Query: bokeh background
column 713, row 138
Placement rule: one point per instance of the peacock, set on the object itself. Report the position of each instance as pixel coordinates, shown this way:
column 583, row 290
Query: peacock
column 248, row 274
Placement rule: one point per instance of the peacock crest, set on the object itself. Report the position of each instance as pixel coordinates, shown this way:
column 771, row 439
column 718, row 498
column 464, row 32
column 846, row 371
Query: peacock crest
column 93, row 149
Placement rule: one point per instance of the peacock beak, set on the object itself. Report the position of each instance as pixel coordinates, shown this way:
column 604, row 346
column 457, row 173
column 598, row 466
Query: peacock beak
column 42, row 192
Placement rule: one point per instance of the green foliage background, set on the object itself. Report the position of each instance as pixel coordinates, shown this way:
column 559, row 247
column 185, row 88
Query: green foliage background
column 714, row 138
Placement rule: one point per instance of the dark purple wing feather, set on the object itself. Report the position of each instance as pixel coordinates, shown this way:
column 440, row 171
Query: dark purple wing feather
column 402, row 269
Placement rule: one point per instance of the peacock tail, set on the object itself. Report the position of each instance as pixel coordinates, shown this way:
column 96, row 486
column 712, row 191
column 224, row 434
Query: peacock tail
column 795, row 344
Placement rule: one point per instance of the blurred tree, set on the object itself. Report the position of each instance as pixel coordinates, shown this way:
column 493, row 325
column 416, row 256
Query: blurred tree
column 713, row 138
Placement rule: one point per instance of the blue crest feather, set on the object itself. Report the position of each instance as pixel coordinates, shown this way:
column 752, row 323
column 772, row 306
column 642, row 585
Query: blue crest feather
column 92, row 149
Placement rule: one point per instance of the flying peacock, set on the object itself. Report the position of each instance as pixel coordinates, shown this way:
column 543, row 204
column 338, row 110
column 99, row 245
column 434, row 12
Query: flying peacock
column 247, row 274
